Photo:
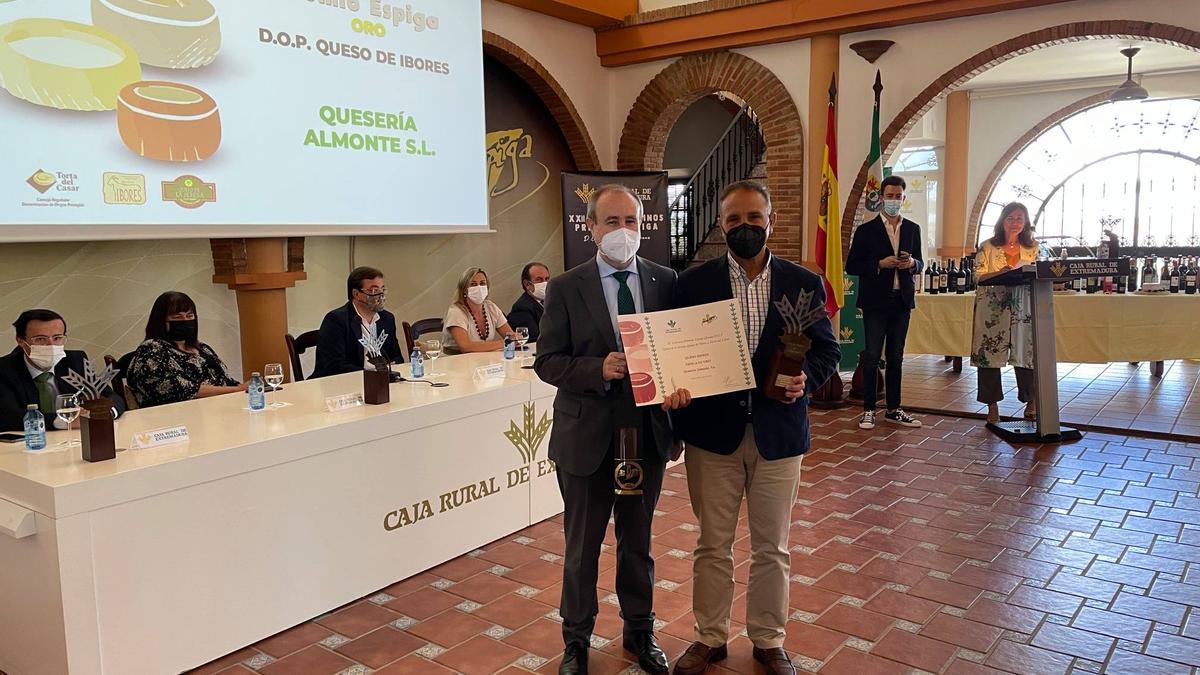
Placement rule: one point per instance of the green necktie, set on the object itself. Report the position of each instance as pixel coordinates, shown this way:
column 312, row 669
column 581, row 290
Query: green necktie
column 45, row 396
column 624, row 295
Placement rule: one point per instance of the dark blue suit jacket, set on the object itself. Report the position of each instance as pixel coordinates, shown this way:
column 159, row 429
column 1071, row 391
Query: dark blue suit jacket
column 338, row 349
column 718, row 423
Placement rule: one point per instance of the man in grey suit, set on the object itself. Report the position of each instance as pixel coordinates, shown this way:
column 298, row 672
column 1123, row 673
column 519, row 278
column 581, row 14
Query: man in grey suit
column 580, row 352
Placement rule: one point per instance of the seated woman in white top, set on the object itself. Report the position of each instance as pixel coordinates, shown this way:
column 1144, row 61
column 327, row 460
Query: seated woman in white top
column 474, row 323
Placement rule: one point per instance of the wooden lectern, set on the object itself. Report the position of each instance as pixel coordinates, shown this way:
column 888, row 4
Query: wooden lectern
column 1041, row 278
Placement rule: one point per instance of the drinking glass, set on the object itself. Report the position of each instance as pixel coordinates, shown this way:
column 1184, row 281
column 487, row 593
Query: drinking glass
column 66, row 406
column 273, row 374
column 522, row 336
column 433, row 349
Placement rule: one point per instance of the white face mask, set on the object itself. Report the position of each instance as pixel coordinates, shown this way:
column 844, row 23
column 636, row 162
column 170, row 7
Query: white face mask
column 46, row 357
column 892, row 207
column 621, row 245
column 539, row 290
column 477, row 294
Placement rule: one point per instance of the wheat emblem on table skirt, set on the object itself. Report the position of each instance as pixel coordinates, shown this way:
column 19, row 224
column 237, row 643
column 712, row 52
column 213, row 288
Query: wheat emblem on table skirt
column 529, row 436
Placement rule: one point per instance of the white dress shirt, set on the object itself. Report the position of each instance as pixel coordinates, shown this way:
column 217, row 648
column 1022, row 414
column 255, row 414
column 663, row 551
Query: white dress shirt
column 610, row 285
column 754, row 296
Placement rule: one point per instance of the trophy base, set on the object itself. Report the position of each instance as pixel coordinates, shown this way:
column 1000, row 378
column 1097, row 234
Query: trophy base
column 624, row 493
column 783, row 369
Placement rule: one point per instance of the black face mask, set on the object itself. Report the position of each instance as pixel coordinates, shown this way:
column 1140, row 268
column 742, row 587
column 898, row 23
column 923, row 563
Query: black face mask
column 746, row 240
column 183, row 331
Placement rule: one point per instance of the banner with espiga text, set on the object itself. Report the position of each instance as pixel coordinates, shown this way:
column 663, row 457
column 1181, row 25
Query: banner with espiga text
column 651, row 188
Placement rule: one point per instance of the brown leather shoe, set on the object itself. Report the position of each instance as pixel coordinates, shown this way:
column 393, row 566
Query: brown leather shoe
column 698, row 657
column 775, row 660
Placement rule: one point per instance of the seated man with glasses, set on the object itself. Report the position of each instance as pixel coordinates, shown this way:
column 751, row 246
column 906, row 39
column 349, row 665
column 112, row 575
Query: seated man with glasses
column 338, row 349
column 33, row 372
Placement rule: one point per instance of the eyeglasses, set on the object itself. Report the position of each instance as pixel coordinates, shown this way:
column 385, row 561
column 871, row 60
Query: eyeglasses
column 46, row 340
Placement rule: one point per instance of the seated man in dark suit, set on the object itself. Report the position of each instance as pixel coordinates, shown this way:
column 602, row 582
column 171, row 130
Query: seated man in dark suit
column 527, row 310
column 33, row 372
column 338, row 348
column 745, row 445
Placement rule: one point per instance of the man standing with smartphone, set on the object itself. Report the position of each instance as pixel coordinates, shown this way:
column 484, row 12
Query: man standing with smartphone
column 884, row 255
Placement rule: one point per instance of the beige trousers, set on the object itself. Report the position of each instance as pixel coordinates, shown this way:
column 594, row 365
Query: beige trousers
column 717, row 484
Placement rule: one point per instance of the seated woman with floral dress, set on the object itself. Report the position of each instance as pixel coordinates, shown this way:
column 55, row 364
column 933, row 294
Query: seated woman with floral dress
column 172, row 365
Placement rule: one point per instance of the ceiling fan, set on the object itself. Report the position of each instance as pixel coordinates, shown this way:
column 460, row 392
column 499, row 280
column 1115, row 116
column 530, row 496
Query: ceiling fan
column 1129, row 90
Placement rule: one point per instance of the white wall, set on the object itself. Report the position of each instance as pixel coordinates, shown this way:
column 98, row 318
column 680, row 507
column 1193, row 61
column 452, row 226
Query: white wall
column 923, row 52
column 568, row 52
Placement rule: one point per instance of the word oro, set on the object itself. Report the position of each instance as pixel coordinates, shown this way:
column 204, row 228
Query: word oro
column 397, row 15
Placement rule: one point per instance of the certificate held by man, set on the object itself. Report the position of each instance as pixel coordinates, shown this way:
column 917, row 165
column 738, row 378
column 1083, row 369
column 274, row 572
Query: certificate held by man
column 702, row 349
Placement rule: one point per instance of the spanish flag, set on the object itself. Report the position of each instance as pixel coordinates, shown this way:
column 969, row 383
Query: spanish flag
column 829, row 221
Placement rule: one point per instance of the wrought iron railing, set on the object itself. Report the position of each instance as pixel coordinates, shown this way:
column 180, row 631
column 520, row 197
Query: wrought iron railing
column 695, row 209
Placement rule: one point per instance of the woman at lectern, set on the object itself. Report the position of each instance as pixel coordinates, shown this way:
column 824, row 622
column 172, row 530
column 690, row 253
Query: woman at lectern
column 172, row 365
column 474, row 323
column 1003, row 328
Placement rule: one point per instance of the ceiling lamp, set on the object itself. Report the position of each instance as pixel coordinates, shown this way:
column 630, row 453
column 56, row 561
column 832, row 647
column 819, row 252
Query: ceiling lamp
column 1129, row 90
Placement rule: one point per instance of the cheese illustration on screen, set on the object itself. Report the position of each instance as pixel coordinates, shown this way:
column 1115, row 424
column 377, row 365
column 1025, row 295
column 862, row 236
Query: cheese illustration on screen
column 168, row 121
column 165, row 33
column 66, row 65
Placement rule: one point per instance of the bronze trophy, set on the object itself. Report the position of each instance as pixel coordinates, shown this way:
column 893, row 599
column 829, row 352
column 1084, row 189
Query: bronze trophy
column 628, row 474
column 788, row 360
column 96, row 429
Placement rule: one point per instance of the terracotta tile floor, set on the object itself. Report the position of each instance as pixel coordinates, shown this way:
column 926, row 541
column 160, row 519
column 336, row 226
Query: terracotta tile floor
column 937, row 550
column 1117, row 396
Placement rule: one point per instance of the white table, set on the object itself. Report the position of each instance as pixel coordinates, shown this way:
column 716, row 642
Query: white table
column 163, row 559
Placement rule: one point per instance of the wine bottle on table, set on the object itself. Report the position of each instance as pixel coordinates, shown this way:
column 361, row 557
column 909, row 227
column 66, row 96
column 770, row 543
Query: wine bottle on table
column 1148, row 272
column 1165, row 272
column 961, row 282
column 1122, row 283
column 1175, row 276
column 1190, row 279
column 1092, row 286
column 943, row 279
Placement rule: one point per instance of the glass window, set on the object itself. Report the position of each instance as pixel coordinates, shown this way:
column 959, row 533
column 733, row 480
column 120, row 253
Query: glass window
column 916, row 158
column 1130, row 167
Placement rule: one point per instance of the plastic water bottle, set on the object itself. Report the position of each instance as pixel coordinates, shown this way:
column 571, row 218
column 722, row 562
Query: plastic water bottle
column 35, row 429
column 416, row 361
column 257, row 393
column 510, row 348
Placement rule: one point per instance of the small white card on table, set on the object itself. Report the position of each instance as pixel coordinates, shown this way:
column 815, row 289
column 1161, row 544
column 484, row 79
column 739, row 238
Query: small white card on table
column 343, row 402
column 158, row 437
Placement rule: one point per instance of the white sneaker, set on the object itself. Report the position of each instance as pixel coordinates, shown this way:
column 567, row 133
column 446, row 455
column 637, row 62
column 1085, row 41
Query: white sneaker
column 902, row 418
column 868, row 420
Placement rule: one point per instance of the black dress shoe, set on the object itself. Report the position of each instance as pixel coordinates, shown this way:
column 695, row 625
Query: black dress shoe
column 575, row 659
column 650, row 656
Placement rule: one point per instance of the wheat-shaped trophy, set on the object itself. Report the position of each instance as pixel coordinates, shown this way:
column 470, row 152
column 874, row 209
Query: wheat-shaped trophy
column 376, row 379
column 373, row 347
column 788, row 360
column 96, row 429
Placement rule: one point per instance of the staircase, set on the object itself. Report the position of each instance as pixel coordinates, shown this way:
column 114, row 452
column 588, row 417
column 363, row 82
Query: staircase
column 738, row 155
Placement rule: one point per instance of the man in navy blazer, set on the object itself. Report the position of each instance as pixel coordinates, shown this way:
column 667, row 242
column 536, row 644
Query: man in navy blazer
column 338, row 348
column 746, row 443
column 885, row 253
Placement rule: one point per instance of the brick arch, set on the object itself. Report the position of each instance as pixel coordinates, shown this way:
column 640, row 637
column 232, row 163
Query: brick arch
column 579, row 141
column 668, row 95
column 1015, row 149
column 992, row 56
